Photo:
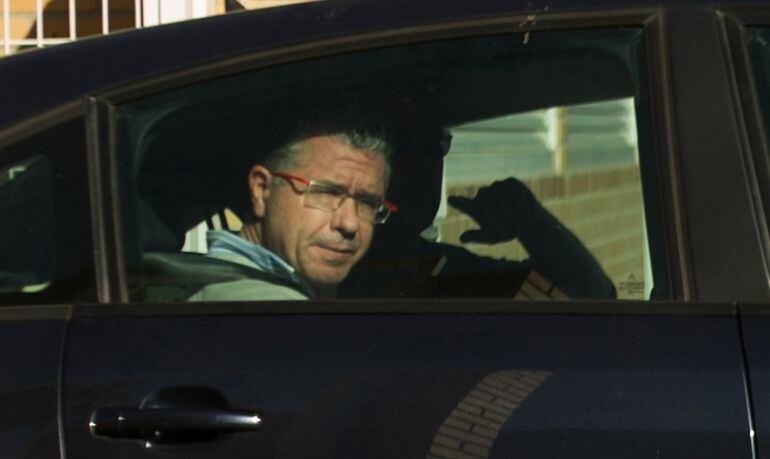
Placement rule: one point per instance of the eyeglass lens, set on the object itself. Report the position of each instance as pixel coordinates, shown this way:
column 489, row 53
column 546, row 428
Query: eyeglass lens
column 327, row 197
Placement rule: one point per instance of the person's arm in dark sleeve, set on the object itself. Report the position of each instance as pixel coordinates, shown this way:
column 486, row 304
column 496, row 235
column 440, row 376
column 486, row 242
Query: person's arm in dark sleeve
column 506, row 210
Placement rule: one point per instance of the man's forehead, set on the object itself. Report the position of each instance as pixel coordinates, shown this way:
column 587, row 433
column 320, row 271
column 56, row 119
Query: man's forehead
column 336, row 162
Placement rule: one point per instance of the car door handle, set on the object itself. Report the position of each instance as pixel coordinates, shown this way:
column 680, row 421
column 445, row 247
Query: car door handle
column 126, row 422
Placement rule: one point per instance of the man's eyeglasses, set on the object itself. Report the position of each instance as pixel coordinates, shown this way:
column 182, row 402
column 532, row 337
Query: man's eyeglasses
column 329, row 197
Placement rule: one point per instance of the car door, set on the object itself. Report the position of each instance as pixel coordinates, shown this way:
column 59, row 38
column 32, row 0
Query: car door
column 483, row 376
column 46, row 266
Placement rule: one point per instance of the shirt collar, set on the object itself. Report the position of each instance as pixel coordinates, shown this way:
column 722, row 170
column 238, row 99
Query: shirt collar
column 225, row 242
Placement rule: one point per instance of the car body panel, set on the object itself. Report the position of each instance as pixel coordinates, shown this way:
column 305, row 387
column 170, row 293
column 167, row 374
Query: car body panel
column 385, row 385
column 32, row 340
column 755, row 326
column 176, row 46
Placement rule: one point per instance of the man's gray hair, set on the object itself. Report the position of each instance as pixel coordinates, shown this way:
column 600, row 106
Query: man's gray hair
column 353, row 123
column 286, row 156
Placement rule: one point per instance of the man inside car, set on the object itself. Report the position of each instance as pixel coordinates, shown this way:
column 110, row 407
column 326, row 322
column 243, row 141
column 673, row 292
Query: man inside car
column 314, row 201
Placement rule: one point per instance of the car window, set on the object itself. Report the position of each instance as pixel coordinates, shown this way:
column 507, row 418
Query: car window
column 45, row 236
column 580, row 162
column 760, row 59
column 519, row 168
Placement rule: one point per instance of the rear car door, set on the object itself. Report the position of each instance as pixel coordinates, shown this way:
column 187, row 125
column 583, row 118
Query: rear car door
column 405, row 377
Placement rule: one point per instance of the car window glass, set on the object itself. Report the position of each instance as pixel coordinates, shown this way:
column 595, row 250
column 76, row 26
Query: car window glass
column 519, row 169
column 758, row 39
column 45, row 245
column 580, row 162
column 27, row 208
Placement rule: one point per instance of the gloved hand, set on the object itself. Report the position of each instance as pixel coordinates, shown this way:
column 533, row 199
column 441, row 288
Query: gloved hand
column 504, row 211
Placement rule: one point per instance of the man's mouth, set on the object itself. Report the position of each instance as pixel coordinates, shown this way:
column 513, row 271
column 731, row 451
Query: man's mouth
column 337, row 253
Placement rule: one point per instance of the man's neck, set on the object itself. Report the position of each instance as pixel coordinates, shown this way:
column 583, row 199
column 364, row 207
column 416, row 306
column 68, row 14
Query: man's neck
column 250, row 232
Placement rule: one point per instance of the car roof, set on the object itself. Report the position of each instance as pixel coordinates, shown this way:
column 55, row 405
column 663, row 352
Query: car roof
column 34, row 81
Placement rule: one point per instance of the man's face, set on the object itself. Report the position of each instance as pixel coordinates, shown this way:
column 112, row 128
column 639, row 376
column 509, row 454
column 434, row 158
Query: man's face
column 323, row 245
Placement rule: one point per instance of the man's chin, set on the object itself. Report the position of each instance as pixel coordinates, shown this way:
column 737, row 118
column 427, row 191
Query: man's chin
column 328, row 278
column 335, row 259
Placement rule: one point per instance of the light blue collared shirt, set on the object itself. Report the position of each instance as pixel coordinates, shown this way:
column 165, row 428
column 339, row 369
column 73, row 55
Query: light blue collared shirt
column 227, row 246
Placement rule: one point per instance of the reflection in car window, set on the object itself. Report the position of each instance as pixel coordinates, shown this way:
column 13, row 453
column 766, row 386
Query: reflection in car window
column 758, row 39
column 27, row 254
column 517, row 171
column 45, row 235
column 581, row 163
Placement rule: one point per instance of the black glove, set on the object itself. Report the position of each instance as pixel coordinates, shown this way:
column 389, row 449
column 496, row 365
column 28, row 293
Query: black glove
column 504, row 211
column 507, row 210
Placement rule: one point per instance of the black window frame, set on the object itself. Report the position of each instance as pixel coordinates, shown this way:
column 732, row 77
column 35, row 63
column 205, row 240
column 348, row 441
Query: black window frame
column 756, row 139
column 718, row 218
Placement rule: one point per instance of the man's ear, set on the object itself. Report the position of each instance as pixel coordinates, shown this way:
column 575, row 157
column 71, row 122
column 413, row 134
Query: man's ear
column 259, row 188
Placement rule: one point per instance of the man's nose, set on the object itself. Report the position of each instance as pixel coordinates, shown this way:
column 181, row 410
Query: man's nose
column 345, row 219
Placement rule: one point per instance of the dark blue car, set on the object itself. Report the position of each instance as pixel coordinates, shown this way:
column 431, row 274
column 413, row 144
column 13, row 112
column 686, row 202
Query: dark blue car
column 619, row 309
